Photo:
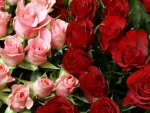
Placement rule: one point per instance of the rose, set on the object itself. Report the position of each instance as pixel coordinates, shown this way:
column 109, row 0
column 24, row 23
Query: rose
column 93, row 83
column 76, row 60
column 138, row 84
column 4, row 18
column 19, row 98
column 46, row 3
column 57, row 104
column 62, row 13
column 43, row 87
column 37, row 49
column 105, row 2
column 146, row 4
column 104, row 105
column 4, row 76
column 117, row 8
column 2, row 5
column 12, row 54
column 85, row 9
column 58, row 31
column 110, row 31
column 132, row 50
column 79, row 34
column 29, row 19
column 66, row 85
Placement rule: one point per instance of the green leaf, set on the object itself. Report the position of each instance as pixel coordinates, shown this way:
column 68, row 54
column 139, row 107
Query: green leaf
column 35, row 75
column 119, row 80
column 6, row 89
column 80, row 98
column 62, row 72
column 1, row 103
column 135, row 14
column 30, row 83
column 10, row 30
column 8, row 110
column 26, row 65
column 48, row 65
column 2, row 38
column 72, row 100
column 1, row 60
column 11, row 67
column 4, row 97
column 147, row 111
column 129, row 108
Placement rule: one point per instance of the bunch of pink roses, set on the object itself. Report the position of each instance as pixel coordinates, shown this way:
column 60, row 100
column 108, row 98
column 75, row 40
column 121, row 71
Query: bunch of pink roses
column 35, row 34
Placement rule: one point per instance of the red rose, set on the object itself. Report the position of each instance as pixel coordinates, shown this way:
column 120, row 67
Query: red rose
column 93, row 83
column 58, row 104
column 61, row 12
column 117, row 8
column 76, row 60
column 104, row 105
column 111, row 30
column 105, row 2
column 146, row 4
column 83, row 9
column 79, row 34
column 139, row 88
column 132, row 50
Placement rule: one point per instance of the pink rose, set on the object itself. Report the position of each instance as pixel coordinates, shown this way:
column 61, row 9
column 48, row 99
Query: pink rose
column 29, row 19
column 66, row 85
column 44, row 34
column 43, row 87
column 58, row 31
column 2, row 5
column 4, row 17
column 12, row 54
column 19, row 98
column 4, row 76
column 37, row 49
column 46, row 3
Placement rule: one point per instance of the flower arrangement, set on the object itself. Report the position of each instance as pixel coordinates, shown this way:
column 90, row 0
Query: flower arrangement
column 74, row 56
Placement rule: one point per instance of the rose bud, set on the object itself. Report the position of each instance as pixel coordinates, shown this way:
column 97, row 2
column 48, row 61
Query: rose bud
column 79, row 34
column 104, row 105
column 132, row 50
column 4, row 76
column 93, row 83
column 66, row 85
column 58, row 32
column 58, row 104
column 4, row 18
column 12, row 54
column 76, row 60
column 139, row 92
column 19, row 99
column 43, row 87
column 116, row 8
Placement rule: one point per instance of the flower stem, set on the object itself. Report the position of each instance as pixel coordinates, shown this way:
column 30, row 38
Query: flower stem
column 4, row 97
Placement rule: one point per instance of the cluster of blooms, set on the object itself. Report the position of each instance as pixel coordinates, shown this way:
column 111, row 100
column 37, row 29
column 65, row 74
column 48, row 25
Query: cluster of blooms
column 37, row 31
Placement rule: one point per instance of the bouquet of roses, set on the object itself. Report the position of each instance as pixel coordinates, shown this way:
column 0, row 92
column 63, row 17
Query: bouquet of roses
column 74, row 56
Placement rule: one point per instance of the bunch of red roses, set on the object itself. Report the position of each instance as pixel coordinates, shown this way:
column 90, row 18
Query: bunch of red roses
column 128, row 51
